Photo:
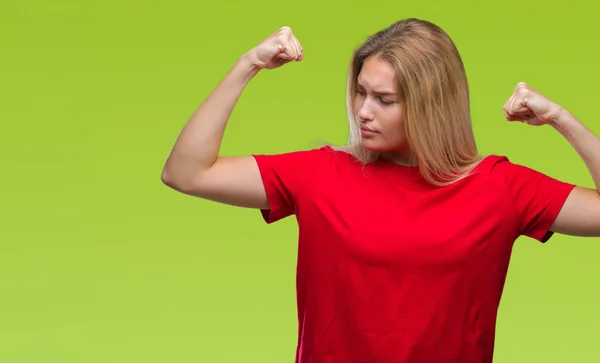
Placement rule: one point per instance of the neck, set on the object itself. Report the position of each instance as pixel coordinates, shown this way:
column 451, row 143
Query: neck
column 402, row 158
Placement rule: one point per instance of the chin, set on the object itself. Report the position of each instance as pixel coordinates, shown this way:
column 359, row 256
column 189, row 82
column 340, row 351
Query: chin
column 375, row 146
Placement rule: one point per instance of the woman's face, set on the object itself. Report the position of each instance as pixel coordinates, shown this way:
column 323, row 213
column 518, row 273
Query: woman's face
column 377, row 109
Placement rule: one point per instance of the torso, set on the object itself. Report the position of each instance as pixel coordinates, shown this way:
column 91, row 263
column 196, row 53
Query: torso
column 391, row 269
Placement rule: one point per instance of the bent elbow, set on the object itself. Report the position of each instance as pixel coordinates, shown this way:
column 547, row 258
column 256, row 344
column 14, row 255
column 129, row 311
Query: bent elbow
column 167, row 179
column 186, row 184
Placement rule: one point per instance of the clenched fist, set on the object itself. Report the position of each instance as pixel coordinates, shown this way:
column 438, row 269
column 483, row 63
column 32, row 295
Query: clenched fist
column 278, row 49
column 529, row 106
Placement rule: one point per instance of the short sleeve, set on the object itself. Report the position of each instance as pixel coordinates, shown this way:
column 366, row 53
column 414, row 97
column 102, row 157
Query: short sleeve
column 536, row 198
column 285, row 177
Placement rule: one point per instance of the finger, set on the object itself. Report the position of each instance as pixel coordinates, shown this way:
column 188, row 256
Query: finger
column 279, row 61
column 510, row 117
column 518, row 104
column 295, row 46
column 283, row 38
column 282, row 59
column 510, row 113
column 518, row 118
column 519, row 88
column 283, row 52
column 520, row 115
column 300, row 50
column 523, row 85
column 290, row 51
column 509, row 104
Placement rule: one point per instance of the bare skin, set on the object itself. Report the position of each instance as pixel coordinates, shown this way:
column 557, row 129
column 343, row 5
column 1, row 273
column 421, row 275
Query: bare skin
column 194, row 166
column 580, row 215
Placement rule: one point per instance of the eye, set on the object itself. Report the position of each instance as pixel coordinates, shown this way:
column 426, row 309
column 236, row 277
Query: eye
column 386, row 102
column 359, row 91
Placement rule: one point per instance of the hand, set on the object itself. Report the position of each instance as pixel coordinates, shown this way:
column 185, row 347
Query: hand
column 278, row 49
column 531, row 107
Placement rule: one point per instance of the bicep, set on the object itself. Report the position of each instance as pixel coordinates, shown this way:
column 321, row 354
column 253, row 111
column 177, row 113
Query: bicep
column 580, row 214
column 233, row 180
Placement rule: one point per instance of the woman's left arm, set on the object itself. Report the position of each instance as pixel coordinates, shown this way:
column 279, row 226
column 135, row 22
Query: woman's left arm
column 580, row 215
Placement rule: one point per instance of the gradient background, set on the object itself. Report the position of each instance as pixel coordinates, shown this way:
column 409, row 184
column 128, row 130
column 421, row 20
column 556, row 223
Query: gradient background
column 99, row 262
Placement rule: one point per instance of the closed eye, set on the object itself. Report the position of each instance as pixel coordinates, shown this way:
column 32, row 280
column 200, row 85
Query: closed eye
column 380, row 99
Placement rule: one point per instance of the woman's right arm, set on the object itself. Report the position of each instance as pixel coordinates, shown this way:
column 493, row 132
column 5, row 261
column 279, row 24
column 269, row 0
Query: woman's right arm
column 194, row 166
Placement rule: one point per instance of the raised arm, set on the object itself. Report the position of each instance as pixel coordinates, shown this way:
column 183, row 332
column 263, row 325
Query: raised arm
column 580, row 214
column 194, row 166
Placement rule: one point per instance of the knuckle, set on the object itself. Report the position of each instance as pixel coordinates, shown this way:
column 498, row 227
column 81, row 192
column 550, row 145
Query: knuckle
column 523, row 91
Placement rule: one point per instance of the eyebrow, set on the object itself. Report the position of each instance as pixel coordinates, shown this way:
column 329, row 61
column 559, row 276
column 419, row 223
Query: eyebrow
column 379, row 93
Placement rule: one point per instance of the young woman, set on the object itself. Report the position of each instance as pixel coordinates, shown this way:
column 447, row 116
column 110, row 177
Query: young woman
column 405, row 234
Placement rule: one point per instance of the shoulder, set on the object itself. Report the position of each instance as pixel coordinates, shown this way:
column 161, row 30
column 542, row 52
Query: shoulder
column 506, row 176
column 502, row 167
column 314, row 157
column 301, row 164
column 535, row 197
column 308, row 154
column 494, row 163
column 520, row 180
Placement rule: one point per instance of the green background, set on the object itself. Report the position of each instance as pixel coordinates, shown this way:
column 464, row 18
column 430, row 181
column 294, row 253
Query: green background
column 100, row 262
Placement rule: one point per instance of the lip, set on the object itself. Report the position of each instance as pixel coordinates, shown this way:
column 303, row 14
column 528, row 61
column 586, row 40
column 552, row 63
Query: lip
column 367, row 131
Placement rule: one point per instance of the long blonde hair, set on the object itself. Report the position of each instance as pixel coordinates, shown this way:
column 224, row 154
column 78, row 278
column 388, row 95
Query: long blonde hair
column 434, row 95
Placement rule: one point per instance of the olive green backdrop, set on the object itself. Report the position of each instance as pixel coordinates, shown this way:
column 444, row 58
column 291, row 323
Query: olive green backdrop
column 99, row 262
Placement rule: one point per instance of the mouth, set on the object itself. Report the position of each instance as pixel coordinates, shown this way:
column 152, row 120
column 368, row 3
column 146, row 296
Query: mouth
column 366, row 130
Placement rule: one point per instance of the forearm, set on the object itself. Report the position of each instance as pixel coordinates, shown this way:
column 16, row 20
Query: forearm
column 197, row 146
column 583, row 140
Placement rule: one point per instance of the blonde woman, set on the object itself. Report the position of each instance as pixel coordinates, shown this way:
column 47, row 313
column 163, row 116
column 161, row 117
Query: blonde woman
column 405, row 234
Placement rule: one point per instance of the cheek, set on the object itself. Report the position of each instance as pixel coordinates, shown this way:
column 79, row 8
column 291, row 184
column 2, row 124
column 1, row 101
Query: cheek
column 357, row 105
column 392, row 137
column 393, row 125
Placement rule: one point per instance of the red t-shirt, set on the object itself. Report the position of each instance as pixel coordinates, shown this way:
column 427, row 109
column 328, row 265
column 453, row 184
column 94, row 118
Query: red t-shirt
column 393, row 270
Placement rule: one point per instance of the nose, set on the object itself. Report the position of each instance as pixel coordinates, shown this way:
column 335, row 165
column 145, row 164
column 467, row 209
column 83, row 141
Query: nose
column 364, row 113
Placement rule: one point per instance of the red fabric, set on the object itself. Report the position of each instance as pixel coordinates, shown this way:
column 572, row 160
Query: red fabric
column 391, row 269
